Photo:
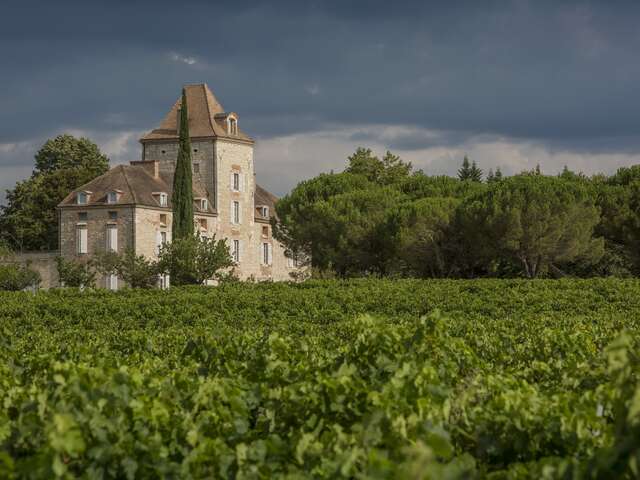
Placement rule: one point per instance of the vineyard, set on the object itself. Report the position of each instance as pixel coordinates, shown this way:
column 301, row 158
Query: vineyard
column 501, row 379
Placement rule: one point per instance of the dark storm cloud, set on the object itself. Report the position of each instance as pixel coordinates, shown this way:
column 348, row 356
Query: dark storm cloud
column 562, row 73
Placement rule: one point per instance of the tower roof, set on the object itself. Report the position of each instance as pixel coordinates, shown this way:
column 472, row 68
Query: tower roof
column 207, row 118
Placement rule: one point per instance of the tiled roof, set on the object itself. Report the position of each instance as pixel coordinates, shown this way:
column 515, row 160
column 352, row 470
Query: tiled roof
column 206, row 118
column 264, row 198
column 136, row 185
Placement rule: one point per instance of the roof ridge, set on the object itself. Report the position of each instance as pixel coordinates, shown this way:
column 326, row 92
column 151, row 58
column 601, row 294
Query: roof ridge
column 205, row 87
column 126, row 179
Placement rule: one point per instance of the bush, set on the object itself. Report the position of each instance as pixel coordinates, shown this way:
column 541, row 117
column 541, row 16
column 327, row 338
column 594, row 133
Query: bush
column 18, row 277
column 136, row 270
column 75, row 274
column 193, row 260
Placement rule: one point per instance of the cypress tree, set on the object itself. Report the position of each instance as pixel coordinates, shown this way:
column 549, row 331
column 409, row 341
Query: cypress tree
column 182, row 198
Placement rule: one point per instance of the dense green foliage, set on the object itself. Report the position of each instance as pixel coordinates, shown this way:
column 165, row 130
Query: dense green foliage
column 75, row 273
column 136, row 271
column 182, row 196
column 29, row 220
column 15, row 277
column 351, row 379
column 379, row 217
column 194, row 260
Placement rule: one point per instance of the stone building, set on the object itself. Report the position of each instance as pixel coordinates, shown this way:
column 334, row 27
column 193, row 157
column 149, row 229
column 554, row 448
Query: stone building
column 130, row 205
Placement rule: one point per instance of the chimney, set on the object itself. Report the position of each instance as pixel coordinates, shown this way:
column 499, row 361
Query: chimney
column 152, row 167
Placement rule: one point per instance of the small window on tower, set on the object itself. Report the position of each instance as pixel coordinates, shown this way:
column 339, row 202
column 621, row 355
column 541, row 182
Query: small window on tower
column 113, row 215
column 196, row 167
column 163, row 219
column 82, row 216
column 265, row 231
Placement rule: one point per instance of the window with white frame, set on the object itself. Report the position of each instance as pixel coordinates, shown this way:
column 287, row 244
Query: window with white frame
column 204, row 204
column 163, row 281
column 112, row 238
column 163, row 199
column 235, row 212
column 112, row 197
column 81, row 239
column 236, row 251
column 112, row 282
column 82, row 198
column 232, row 127
column 161, row 239
column 266, row 254
column 264, row 211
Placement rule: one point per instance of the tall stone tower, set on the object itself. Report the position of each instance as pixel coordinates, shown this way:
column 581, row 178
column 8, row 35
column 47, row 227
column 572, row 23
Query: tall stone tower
column 222, row 155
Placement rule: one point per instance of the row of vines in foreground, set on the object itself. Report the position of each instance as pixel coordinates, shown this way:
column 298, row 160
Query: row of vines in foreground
column 358, row 379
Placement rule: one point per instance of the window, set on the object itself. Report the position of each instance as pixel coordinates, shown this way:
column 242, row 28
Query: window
column 196, row 166
column 112, row 282
column 291, row 262
column 266, row 254
column 163, row 152
column 265, row 231
column 161, row 239
column 113, row 215
column 204, row 204
column 81, row 198
column 235, row 212
column 112, row 238
column 236, row 182
column 81, row 239
column 163, row 199
column 202, row 222
column 112, row 197
column 82, row 216
column 232, row 126
column 264, row 211
column 163, row 219
column 236, row 251
column 163, row 281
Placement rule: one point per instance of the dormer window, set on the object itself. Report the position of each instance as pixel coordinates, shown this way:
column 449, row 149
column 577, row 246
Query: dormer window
column 82, row 198
column 264, row 211
column 232, row 125
column 162, row 198
column 112, row 197
column 202, row 204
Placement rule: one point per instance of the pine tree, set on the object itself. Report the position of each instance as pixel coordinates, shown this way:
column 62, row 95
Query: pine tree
column 490, row 177
column 498, row 175
column 465, row 171
column 182, row 198
column 476, row 173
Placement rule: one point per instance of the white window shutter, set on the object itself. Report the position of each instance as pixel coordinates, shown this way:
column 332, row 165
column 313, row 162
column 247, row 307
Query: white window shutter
column 270, row 251
column 231, row 181
column 239, row 213
column 82, row 240
column 242, row 182
column 231, row 213
column 112, row 239
column 158, row 241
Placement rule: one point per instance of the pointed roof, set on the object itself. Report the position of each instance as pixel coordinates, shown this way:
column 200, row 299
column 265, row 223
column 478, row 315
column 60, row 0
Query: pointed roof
column 207, row 118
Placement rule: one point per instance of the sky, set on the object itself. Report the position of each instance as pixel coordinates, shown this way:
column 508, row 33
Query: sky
column 511, row 84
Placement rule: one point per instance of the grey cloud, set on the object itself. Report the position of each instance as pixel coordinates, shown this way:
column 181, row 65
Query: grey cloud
column 562, row 74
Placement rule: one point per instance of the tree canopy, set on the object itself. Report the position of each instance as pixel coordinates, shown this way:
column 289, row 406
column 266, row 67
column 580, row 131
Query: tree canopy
column 29, row 221
column 379, row 217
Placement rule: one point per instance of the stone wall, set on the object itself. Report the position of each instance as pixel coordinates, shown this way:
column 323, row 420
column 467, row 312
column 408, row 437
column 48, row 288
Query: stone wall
column 202, row 159
column 42, row 262
column 98, row 217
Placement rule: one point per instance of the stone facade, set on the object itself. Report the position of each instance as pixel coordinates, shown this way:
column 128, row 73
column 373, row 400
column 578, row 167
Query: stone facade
column 238, row 210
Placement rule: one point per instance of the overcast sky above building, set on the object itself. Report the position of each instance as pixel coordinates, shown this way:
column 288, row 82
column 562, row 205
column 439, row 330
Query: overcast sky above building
column 511, row 84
